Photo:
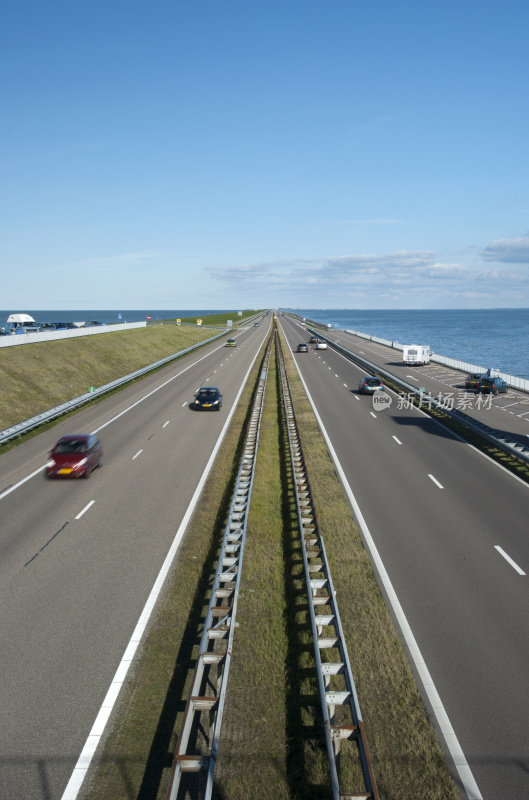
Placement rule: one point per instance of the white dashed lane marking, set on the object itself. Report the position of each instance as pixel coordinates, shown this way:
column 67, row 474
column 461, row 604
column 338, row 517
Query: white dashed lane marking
column 509, row 560
column 435, row 481
column 85, row 509
column 137, row 454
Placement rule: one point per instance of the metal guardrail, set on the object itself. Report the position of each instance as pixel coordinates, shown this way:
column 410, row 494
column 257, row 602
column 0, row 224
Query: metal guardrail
column 46, row 416
column 197, row 746
column 490, row 434
column 340, row 707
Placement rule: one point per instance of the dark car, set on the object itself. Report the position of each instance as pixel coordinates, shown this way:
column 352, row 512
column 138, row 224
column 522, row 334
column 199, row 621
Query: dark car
column 313, row 339
column 303, row 347
column 208, row 397
column 75, row 456
column 492, row 385
column 472, row 381
column 369, row 385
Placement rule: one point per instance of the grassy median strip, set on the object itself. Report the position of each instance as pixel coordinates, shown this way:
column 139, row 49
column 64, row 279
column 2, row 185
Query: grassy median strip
column 272, row 743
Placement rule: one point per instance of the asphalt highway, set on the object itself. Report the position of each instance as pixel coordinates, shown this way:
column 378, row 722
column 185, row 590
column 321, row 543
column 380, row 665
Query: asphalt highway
column 451, row 529
column 79, row 558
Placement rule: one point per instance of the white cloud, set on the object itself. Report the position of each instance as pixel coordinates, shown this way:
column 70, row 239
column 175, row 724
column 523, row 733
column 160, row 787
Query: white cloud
column 405, row 278
column 508, row 251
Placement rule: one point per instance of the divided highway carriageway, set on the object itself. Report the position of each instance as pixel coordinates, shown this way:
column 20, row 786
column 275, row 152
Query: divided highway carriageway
column 448, row 529
column 79, row 558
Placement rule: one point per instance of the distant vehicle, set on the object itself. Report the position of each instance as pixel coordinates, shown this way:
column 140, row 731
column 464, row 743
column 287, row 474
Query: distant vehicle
column 57, row 326
column 231, row 343
column 313, row 340
column 370, row 385
column 302, row 347
column 472, row 381
column 320, row 345
column 492, row 385
column 74, row 456
column 415, row 355
column 256, row 324
column 208, row 397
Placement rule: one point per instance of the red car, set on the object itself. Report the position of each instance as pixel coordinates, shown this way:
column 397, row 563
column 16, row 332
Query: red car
column 75, row 456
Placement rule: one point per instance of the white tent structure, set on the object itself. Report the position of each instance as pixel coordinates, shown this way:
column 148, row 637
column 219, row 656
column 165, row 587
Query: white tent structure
column 19, row 321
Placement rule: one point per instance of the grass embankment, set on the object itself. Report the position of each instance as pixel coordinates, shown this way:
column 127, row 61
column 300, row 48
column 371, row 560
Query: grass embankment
column 272, row 745
column 36, row 377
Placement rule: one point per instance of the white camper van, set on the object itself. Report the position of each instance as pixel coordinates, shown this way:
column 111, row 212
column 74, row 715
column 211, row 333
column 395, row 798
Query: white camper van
column 415, row 355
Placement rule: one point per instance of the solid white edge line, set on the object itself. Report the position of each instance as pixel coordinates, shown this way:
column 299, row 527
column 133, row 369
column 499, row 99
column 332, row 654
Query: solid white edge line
column 507, row 558
column 83, row 762
column 85, row 509
column 24, row 480
column 440, row 485
column 465, row 773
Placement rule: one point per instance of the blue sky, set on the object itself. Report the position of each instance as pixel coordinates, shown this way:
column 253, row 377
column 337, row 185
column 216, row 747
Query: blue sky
column 342, row 155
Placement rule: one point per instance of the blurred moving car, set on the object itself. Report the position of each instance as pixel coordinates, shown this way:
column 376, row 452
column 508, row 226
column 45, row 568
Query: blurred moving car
column 472, row 381
column 231, row 343
column 321, row 345
column 302, row 347
column 370, row 384
column 75, row 456
column 488, row 385
column 208, row 397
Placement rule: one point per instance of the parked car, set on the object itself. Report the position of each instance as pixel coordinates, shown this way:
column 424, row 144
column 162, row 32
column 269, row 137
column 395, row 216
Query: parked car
column 231, row 343
column 370, row 384
column 321, row 345
column 472, row 381
column 492, row 385
column 75, row 456
column 208, row 397
column 303, row 347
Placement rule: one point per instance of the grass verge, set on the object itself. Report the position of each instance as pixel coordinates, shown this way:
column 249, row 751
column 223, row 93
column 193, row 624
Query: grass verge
column 271, row 743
